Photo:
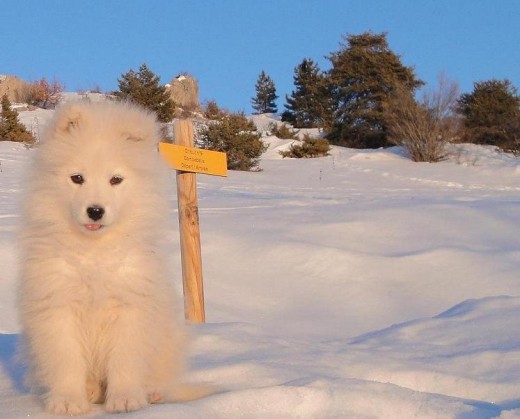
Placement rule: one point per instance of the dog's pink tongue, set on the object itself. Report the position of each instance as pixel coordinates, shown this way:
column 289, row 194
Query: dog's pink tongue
column 93, row 227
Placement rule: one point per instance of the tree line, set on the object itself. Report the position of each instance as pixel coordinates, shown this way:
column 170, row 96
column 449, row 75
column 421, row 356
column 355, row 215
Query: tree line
column 367, row 99
column 224, row 131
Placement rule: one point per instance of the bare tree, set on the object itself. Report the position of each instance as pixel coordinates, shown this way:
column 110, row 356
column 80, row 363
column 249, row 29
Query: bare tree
column 424, row 127
column 44, row 94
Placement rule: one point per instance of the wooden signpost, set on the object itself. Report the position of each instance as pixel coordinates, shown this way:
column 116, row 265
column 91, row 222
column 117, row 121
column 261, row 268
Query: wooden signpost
column 188, row 161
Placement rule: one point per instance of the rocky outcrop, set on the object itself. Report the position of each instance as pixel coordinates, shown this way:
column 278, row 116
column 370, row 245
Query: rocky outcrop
column 184, row 91
column 17, row 90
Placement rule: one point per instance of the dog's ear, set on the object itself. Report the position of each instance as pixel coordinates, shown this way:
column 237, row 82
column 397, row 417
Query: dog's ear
column 66, row 119
column 140, row 126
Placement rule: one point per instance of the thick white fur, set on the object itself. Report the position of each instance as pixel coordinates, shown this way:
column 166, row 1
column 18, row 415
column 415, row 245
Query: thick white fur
column 98, row 310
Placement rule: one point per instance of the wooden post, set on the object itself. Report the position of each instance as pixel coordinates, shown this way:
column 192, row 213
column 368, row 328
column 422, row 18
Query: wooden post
column 189, row 232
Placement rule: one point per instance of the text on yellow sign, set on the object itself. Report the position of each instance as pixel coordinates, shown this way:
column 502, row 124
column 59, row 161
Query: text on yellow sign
column 190, row 159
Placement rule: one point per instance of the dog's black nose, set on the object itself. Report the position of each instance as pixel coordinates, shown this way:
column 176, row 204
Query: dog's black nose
column 95, row 212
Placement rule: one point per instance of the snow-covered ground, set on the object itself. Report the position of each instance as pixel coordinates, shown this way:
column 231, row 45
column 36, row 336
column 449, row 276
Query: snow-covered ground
column 360, row 285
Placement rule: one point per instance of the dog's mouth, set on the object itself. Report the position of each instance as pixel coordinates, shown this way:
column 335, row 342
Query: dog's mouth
column 93, row 226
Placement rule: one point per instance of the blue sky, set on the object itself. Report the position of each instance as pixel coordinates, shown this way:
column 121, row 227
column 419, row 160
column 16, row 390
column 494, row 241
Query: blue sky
column 226, row 43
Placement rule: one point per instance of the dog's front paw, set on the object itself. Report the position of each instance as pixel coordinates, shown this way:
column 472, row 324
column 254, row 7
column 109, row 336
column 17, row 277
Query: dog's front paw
column 66, row 405
column 155, row 397
column 125, row 403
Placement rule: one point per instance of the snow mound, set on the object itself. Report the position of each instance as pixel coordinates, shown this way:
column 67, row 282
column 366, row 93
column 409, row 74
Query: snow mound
column 404, row 371
column 263, row 122
column 450, row 353
column 328, row 287
column 386, row 154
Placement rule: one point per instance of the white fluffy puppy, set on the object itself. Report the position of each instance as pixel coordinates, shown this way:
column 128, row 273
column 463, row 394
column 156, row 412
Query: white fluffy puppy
column 97, row 307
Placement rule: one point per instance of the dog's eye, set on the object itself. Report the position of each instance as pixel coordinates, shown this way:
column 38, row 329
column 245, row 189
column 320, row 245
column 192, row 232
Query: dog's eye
column 115, row 180
column 77, row 179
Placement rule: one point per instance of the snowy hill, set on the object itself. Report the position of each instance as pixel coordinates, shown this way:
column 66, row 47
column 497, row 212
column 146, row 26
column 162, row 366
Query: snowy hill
column 360, row 285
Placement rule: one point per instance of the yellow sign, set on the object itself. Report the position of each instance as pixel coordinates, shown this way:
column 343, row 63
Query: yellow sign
column 191, row 159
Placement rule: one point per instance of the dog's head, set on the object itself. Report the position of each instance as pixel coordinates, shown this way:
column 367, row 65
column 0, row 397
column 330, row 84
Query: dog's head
column 100, row 165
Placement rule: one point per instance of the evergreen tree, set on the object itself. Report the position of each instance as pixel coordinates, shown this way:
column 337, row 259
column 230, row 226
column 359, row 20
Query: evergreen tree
column 143, row 88
column 11, row 129
column 309, row 105
column 491, row 115
column 365, row 73
column 213, row 111
column 264, row 101
column 236, row 136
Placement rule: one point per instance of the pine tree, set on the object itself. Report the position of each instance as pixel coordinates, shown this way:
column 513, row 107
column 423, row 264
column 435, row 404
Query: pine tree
column 491, row 115
column 235, row 135
column 11, row 129
column 264, row 101
column 308, row 105
column 365, row 73
column 143, row 88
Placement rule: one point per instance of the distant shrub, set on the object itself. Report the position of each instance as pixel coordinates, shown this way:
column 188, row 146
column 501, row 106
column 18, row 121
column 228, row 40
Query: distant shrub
column 423, row 128
column 44, row 94
column 11, row 129
column 213, row 111
column 491, row 115
column 283, row 131
column 236, row 136
column 309, row 147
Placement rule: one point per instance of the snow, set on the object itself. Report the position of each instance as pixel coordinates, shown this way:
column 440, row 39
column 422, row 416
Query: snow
column 264, row 123
column 359, row 285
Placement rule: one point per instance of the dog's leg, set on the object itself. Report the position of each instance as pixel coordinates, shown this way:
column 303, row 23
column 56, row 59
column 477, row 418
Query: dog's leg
column 96, row 390
column 55, row 343
column 126, row 364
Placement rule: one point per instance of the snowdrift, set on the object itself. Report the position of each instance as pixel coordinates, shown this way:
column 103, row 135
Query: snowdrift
column 360, row 285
